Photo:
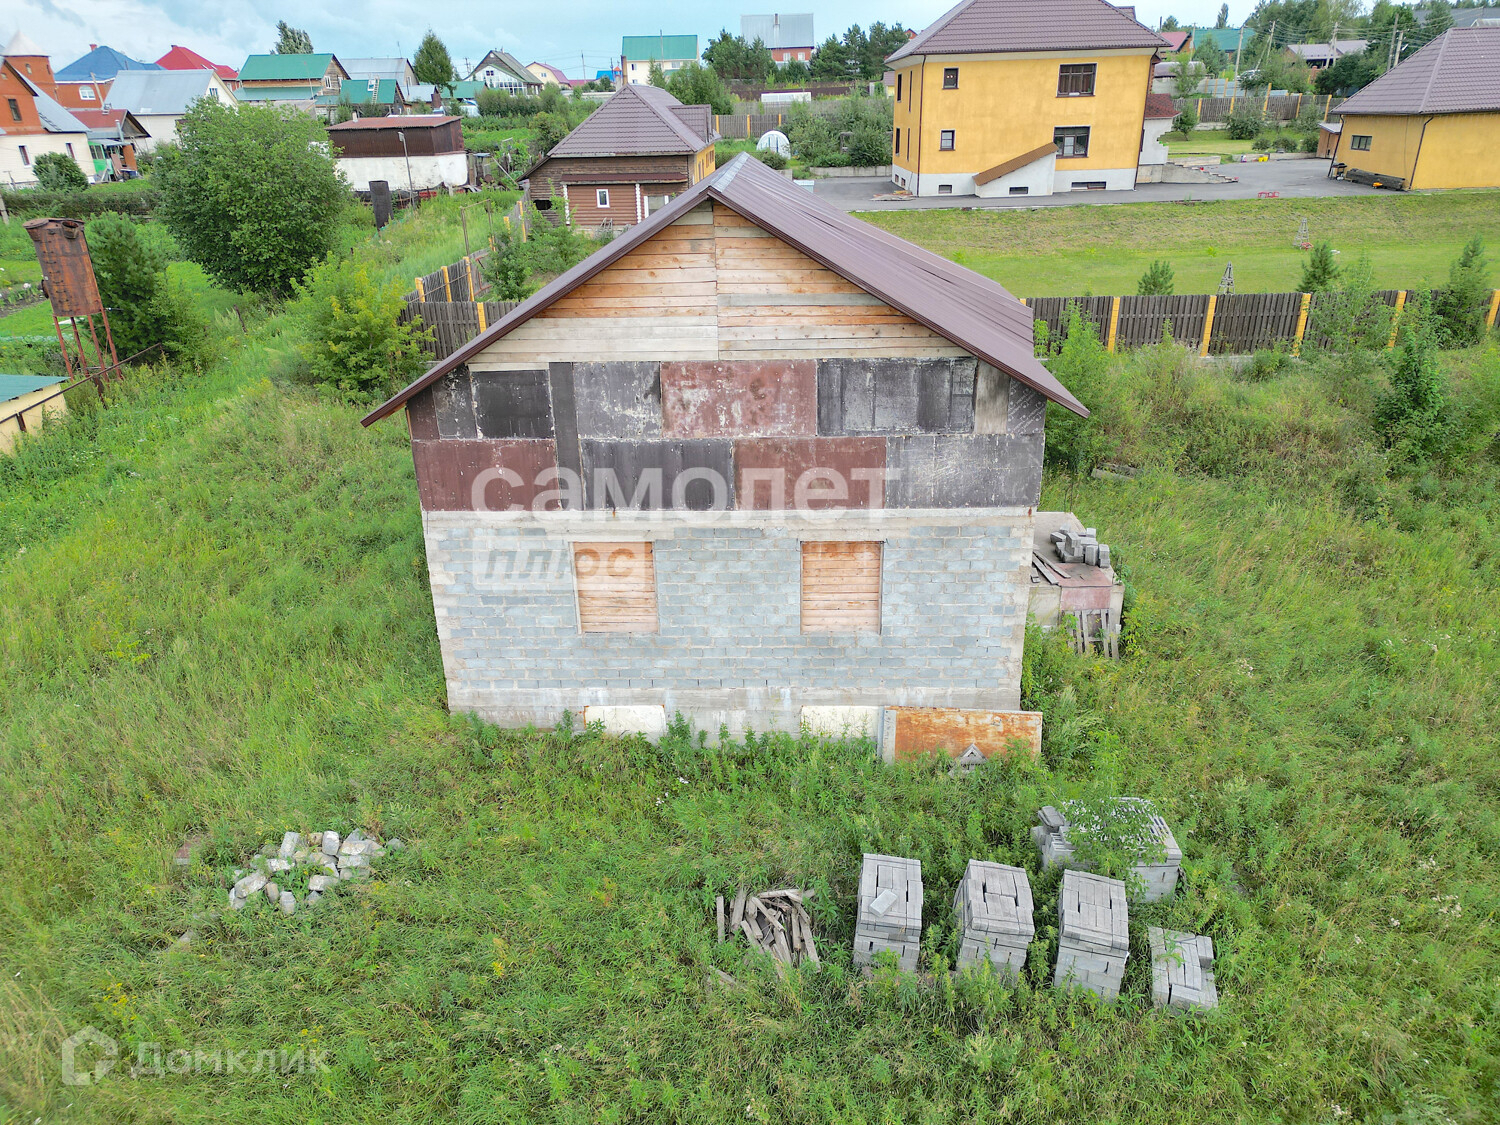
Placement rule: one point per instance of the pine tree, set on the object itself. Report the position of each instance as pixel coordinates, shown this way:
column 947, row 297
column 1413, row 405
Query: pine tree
column 1460, row 308
column 1414, row 417
column 291, row 40
column 1157, row 281
column 129, row 275
column 1320, row 272
column 432, row 64
column 1223, row 20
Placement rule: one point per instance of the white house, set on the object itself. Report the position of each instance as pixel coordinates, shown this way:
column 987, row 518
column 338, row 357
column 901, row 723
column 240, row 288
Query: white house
column 158, row 99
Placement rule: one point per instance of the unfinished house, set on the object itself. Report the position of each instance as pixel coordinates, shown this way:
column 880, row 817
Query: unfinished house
column 754, row 461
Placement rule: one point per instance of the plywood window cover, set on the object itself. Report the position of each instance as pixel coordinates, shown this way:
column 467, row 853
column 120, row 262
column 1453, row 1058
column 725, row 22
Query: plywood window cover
column 616, row 587
column 841, row 587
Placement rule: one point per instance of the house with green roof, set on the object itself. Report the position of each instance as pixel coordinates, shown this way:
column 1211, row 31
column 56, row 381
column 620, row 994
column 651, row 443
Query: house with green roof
column 292, row 78
column 380, row 91
column 638, row 52
column 1227, row 39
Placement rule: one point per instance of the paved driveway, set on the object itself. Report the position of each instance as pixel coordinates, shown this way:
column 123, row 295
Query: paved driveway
column 1293, row 179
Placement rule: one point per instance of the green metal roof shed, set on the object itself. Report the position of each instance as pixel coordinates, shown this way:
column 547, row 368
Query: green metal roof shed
column 285, row 68
column 643, row 48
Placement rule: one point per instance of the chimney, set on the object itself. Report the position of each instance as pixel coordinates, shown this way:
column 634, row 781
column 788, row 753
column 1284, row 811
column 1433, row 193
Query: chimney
column 93, row 46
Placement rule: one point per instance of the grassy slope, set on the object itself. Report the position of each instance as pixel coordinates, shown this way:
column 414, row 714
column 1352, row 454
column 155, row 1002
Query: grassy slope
column 1069, row 251
column 214, row 614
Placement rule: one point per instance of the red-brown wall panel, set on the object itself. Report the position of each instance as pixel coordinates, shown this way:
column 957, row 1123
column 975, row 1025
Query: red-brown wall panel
column 745, row 399
column 833, row 472
column 462, row 475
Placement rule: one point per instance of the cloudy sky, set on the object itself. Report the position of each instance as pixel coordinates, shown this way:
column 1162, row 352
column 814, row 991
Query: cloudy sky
column 555, row 33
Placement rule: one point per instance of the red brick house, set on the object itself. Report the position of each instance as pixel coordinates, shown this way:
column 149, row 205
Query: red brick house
column 630, row 157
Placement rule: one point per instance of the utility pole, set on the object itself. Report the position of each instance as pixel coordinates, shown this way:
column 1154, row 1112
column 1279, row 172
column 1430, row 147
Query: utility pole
column 1238, row 47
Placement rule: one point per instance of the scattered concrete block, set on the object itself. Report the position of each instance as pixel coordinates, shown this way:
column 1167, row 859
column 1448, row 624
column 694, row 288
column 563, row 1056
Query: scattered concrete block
column 290, row 842
column 1054, row 839
column 1094, row 939
column 288, row 902
column 1182, row 970
column 330, row 843
column 992, row 909
column 889, row 917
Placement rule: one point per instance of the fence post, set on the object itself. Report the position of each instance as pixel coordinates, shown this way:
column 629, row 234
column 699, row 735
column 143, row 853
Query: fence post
column 1208, row 323
column 1265, row 106
column 1301, row 324
column 421, row 292
column 447, row 285
column 479, row 307
column 1114, row 322
column 747, row 126
column 1489, row 321
column 1327, row 105
column 1396, row 318
column 1231, row 103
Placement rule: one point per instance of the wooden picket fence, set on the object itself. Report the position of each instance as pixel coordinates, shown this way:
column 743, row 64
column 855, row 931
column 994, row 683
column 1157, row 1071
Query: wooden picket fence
column 1234, row 324
column 1280, row 107
column 462, row 280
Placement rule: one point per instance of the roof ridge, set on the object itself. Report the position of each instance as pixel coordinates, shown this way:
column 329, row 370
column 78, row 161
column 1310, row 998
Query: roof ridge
column 1432, row 71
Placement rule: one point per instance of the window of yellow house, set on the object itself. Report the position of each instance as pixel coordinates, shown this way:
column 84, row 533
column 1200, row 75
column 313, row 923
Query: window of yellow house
column 945, row 140
column 1071, row 140
column 950, row 78
column 1076, row 80
column 1360, row 142
column 898, row 142
column 898, row 86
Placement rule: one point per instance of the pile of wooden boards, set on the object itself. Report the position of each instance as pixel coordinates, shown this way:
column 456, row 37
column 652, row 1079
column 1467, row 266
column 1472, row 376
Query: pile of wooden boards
column 774, row 922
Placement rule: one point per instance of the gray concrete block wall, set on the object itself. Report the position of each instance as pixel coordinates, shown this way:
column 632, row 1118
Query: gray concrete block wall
column 729, row 647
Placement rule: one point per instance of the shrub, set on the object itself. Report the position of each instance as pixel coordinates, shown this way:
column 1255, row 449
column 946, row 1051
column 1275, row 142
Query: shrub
column 1350, row 316
column 1081, row 364
column 1186, row 121
column 1244, row 125
column 1460, row 309
column 129, row 273
column 857, row 133
column 506, row 269
column 771, row 158
column 80, row 205
column 1309, row 143
column 56, row 171
column 1266, row 363
column 550, row 128
column 1157, row 281
column 352, row 342
column 1319, row 271
column 1262, row 143
column 1413, row 417
column 253, row 197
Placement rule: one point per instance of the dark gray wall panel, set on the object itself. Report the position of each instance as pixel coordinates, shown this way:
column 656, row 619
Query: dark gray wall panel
column 964, row 470
column 453, row 402
column 895, row 396
column 512, row 404
column 1027, row 410
column 647, row 473
column 565, row 420
column 618, row 400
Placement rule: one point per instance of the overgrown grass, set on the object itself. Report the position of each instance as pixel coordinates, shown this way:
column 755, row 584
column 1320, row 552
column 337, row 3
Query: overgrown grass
column 1071, row 251
column 214, row 617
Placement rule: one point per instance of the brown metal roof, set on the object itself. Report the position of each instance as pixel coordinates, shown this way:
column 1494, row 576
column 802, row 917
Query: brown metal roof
column 1159, row 106
column 985, row 26
column 1014, row 163
column 400, row 121
column 972, row 311
column 1458, row 72
column 639, row 121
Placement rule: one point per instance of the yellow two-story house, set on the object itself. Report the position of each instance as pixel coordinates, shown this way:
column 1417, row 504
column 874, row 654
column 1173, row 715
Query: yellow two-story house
column 1023, row 97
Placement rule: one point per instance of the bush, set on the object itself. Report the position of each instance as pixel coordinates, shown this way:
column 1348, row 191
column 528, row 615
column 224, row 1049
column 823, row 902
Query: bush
column 352, row 342
column 56, row 171
column 1309, row 143
column 253, row 196
column 80, row 205
column 550, row 128
column 1262, row 143
column 771, row 158
column 1081, row 364
column 1319, row 271
column 1460, row 309
column 1266, row 363
column 506, row 270
column 129, row 274
column 1185, row 122
column 1244, row 125
column 1351, row 316
column 857, row 133
column 1157, row 281
column 1413, row 416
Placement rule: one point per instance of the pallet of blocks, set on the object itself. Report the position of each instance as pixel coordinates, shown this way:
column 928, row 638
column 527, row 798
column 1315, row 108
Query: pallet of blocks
column 1094, row 939
column 890, row 910
column 1182, row 969
column 1055, row 839
column 992, row 908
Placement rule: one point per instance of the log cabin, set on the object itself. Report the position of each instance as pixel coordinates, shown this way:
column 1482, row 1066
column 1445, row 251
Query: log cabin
column 754, row 461
column 627, row 159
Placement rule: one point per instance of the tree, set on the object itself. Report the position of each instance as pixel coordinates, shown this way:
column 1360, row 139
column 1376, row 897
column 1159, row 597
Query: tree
column 1413, row 416
column 1319, row 272
column 734, row 58
column 694, row 84
column 1171, row 24
column 1157, row 281
column 147, row 313
column 252, row 194
column 550, row 129
column 1439, row 18
column 506, row 270
column 1185, row 81
column 1460, row 308
column 56, row 171
column 793, row 72
column 1223, row 20
column 432, row 64
column 291, row 40
column 1350, row 72
column 1213, row 58
column 656, row 76
column 831, row 60
column 353, row 342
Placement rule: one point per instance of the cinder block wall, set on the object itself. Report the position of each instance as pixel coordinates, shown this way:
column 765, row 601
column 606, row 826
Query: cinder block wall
column 729, row 647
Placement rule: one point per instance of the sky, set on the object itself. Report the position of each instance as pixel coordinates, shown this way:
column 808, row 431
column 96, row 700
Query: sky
column 553, row 33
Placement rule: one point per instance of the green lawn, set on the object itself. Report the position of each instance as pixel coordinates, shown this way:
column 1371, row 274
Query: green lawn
column 215, row 618
column 1070, row 251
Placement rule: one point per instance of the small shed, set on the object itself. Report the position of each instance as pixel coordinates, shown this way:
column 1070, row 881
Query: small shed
column 415, row 152
column 26, row 401
column 1328, row 137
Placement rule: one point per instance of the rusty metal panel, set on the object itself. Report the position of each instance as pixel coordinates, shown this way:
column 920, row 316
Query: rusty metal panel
column 743, row 399
column 67, row 271
column 912, row 732
column 964, row 470
column 485, row 476
column 803, row 473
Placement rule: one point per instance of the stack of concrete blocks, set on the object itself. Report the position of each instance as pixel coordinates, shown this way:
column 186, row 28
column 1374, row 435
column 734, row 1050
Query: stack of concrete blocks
column 1158, row 879
column 1081, row 547
column 1094, row 942
column 993, row 910
column 1182, row 969
column 890, row 910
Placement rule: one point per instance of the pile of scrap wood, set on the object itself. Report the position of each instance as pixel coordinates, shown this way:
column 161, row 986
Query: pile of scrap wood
column 773, row 922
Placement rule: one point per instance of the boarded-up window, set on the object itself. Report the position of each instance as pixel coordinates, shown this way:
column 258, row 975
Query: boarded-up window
column 841, row 587
column 616, row 587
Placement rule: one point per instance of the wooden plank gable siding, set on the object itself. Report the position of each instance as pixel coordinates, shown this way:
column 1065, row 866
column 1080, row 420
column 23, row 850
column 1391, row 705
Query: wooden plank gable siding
column 713, row 286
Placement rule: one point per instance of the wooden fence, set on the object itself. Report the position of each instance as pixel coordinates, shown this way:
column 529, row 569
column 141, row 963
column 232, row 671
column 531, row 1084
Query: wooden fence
column 1284, row 107
column 1234, row 324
